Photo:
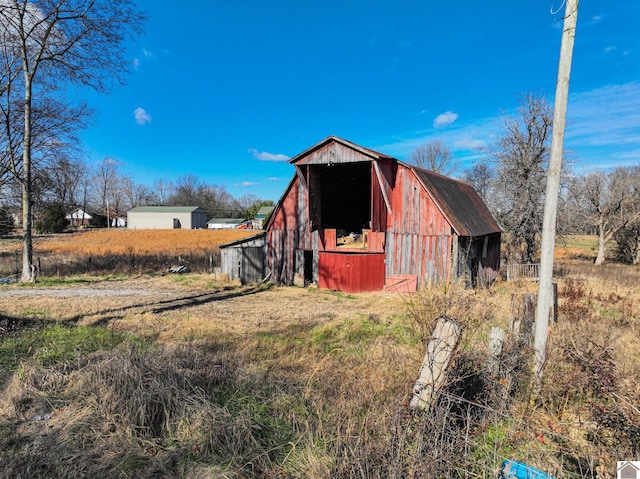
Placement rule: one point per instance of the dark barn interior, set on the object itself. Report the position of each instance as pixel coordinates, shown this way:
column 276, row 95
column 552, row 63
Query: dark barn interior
column 341, row 196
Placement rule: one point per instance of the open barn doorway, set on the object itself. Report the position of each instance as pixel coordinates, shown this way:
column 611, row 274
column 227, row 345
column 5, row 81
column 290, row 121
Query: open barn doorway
column 340, row 198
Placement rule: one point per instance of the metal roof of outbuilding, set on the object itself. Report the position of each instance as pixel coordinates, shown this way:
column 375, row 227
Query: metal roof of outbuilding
column 164, row 209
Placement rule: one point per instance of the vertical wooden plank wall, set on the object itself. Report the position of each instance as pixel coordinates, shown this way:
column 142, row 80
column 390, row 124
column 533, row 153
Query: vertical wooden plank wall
column 419, row 237
column 290, row 231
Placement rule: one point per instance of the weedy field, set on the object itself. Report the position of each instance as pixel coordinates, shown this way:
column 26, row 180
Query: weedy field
column 121, row 250
column 186, row 376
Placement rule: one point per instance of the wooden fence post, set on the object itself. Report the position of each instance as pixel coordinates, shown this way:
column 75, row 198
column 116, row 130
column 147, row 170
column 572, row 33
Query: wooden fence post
column 528, row 316
column 442, row 345
column 496, row 342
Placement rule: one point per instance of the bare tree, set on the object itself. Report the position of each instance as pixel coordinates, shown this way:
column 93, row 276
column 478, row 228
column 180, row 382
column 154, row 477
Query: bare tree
column 482, row 177
column 64, row 179
column 163, row 189
column 434, row 156
column 135, row 194
column 46, row 45
column 54, row 147
column 187, row 191
column 215, row 200
column 106, row 187
column 521, row 156
column 608, row 202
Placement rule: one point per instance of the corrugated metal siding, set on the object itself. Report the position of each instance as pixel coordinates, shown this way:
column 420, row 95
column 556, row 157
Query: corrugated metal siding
column 198, row 219
column 153, row 220
column 351, row 272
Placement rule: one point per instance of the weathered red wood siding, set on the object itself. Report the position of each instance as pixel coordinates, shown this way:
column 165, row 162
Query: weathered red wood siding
column 290, row 233
column 419, row 236
column 417, row 240
column 351, row 272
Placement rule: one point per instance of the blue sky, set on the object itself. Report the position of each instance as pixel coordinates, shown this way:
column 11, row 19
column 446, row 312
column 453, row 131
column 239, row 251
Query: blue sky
column 228, row 90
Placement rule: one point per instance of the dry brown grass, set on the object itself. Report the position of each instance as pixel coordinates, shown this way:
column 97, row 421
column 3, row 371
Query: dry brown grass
column 304, row 383
column 139, row 242
column 110, row 251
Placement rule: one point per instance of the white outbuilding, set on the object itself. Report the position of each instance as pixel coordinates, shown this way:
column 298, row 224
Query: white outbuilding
column 166, row 217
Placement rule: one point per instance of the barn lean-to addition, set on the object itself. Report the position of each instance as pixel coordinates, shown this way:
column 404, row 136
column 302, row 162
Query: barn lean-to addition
column 353, row 219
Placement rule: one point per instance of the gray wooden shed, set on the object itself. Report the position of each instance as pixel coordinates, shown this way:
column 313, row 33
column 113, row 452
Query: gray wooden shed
column 166, row 217
column 244, row 259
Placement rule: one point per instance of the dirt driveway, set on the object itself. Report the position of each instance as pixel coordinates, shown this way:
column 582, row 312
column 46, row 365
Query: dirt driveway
column 172, row 306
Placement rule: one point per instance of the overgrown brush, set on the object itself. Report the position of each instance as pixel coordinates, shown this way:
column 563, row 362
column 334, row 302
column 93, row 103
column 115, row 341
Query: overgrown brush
column 327, row 397
column 129, row 413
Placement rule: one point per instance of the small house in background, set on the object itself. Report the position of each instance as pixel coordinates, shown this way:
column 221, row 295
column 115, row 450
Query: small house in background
column 166, row 217
column 262, row 214
column 79, row 217
column 353, row 219
column 224, row 223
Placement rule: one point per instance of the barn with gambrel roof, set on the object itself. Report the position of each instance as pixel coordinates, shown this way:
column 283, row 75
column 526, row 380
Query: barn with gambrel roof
column 353, row 219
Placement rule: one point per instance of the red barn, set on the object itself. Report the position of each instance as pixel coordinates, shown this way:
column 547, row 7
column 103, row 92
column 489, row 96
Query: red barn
column 353, row 219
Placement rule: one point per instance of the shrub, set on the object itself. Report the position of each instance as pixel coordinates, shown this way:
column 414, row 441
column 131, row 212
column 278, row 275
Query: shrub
column 628, row 244
column 53, row 219
column 98, row 220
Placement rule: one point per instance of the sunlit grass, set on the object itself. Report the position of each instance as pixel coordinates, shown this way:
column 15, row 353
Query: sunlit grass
column 56, row 344
column 138, row 242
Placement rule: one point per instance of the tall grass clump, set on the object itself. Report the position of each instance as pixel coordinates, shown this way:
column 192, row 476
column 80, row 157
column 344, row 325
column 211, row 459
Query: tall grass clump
column 181, row 412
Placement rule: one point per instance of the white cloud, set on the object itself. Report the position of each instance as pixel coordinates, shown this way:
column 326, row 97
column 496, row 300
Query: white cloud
column 247, row 184
column 469, row 143
column 136, row 63
column 141, row 116
column 147, row 53
column 265, row 156
column 445, row 119
column 273, row 178
column 464, row 140
column 610, row 49
column 603, row 130
column 594, row 20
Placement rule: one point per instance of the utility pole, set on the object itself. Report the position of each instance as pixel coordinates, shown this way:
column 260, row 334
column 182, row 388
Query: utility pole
column 553, row 187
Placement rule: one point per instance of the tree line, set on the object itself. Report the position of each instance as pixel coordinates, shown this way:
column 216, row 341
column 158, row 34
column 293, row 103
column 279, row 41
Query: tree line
column 510, row 177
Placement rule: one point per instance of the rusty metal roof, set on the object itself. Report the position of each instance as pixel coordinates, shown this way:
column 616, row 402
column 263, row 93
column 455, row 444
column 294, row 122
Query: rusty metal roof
column 460, row 204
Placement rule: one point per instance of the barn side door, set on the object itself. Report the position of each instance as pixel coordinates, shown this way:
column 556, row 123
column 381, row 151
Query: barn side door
column 252, row 265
